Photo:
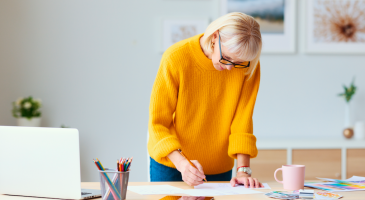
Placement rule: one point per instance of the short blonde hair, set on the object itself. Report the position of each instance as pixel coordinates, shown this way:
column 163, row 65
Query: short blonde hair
column 242, row 37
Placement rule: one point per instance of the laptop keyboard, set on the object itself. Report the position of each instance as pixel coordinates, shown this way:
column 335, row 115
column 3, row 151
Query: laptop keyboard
column 85, row 193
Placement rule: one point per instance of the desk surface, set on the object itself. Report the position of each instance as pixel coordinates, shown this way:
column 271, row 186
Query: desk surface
column 358, row 195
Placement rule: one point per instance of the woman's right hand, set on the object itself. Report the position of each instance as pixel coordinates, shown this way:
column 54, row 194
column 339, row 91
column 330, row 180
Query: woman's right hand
column 190, row 174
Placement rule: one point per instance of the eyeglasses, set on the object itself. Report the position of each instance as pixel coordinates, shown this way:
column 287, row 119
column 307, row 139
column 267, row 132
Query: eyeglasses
column 227, row 62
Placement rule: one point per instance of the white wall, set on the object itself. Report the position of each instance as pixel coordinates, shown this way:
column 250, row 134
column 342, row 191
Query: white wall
column 93, row 64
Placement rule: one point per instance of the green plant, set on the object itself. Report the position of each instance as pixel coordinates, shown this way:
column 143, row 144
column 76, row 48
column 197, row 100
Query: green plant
column 349, row 91
column 26, row 107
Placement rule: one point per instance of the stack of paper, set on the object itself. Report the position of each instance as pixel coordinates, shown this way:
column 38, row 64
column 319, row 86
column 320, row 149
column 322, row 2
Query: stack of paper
column 352, row 184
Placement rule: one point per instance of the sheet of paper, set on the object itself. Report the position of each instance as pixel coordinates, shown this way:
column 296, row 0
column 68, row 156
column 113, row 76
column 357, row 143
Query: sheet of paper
column 328, row 179
column 226, row 185
column 213, row 186
column 224, row 189
column 203, row 192
column 357, row 179
column 266, row 186
column 220, row 192
column 156, row 189
column 353, row 180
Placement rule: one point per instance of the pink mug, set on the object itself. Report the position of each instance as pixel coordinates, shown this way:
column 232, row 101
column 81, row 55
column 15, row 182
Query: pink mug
column 293, row 176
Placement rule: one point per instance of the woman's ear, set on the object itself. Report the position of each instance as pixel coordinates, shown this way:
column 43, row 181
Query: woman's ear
column 214, row 36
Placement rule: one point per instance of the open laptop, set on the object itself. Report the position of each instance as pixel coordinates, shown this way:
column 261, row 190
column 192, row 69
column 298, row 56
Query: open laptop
column 41, row 162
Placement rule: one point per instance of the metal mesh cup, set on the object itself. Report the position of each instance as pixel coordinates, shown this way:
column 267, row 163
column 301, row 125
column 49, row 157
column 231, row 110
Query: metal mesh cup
column 113, row 184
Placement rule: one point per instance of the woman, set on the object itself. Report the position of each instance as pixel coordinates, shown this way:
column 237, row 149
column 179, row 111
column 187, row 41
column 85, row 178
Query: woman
column 202, row 103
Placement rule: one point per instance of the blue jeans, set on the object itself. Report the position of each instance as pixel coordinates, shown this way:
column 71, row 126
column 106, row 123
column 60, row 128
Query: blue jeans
column 159, row 172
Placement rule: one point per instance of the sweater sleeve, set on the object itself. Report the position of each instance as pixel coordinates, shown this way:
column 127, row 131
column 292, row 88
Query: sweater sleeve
column 162, row 141
column 241, row 139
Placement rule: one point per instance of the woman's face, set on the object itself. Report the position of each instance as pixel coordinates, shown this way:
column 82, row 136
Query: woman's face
column 225, row 53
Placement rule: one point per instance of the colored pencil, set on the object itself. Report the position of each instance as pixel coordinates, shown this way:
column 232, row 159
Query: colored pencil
column 115, row 180
column 129, row 164
column 100, row 164
column 118, row 166
column 114, row 190
column 125, row 164
column 111, row 185
column 103, row 174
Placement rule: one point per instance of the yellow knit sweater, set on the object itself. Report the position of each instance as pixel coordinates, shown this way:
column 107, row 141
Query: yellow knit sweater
column 202, row 111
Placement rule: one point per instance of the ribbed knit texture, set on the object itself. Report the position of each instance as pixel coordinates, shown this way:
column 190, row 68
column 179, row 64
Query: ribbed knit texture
column 205, row 112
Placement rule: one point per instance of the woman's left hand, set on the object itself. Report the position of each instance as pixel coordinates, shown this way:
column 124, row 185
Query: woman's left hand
column 245, row 179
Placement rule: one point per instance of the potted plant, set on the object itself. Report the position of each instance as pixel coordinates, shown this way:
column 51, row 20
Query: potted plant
column 347, row 95
column 27, row 112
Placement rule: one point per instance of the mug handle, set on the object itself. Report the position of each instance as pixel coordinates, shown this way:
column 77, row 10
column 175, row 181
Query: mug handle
column 275, row 175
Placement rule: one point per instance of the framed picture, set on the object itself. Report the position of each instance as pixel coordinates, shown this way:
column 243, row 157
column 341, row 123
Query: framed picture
column 276, row 18
column 336, row 26
column 175, row 30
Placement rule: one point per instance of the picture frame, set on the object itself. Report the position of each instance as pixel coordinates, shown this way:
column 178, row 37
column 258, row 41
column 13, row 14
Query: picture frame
column 322, row 36
column 177, row 29
column 273, row 42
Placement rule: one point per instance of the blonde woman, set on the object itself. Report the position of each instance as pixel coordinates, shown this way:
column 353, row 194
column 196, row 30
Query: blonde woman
column 202, row 102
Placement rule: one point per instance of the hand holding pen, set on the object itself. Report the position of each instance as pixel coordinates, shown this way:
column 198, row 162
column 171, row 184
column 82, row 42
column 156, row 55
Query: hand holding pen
column 191, row 171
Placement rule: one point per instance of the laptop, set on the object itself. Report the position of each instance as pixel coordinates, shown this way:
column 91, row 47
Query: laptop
column 41, row 162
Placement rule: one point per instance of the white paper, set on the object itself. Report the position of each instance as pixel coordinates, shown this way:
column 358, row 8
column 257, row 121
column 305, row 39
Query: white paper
column 220, row 192
column 155, row 189
column 327, row 179
column 356, row 178
column 225, row 189
column 203, row 192
column 266, row 186
column 215, row 186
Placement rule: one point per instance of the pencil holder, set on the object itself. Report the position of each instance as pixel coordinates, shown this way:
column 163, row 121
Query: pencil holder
column 113, row 184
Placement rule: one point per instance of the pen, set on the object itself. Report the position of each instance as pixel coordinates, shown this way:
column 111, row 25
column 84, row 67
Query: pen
column 189, row 161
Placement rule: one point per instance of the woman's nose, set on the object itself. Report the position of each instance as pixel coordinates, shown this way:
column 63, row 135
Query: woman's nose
column 229, row 67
